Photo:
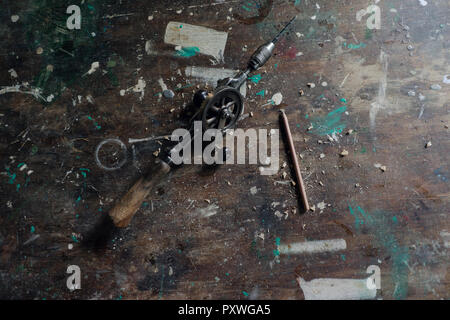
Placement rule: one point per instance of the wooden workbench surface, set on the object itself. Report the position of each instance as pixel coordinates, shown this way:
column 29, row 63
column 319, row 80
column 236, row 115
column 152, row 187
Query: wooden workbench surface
column 380, row 92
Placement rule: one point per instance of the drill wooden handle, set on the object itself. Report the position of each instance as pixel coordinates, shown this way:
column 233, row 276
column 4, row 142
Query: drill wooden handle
column 125, row 209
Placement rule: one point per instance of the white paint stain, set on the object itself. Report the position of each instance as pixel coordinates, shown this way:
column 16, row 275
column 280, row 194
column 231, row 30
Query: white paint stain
column 24, row 88
column 13, row 73
column 162, row 84
column 277, row 98
column 423, row 3
column 446, row 237
column 211, row 75
column 321, row 205
column 148, row 47
column 336, row 289
column 15, row 18
column 140, row 88
column 253, row 190
column 446, row 79
column 208, row 41
column 313, row 246
column 208, row 211
column 380, row 101
column 50, row 98
column 94, row 66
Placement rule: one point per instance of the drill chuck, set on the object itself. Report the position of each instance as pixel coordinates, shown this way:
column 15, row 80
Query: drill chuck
column 261, row 55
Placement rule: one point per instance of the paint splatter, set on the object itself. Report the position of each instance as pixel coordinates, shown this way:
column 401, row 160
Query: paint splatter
column 276, row 252
column 423, row 3
column 354, row 46
column 208, row 41
column 382, row 227
column 187, row 52
column 97, row 126
column 255, row 78
column 276, row 99
column 330, row 124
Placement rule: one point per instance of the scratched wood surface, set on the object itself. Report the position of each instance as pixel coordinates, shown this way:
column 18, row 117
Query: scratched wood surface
column 215, row 233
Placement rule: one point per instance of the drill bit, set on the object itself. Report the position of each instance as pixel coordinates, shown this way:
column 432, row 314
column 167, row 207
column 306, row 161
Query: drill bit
column 275, row 40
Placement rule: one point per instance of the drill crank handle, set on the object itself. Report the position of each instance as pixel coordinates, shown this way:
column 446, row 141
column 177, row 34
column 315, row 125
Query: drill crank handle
column 125, row 209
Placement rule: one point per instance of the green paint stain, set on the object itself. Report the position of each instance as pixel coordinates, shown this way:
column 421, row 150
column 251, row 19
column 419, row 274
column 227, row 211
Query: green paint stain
column 310, row 33
column 363, row 150
column 34, row 150
column 111, row 64
column 95, row 123
column 246, row 9
column 343, row 257
column 354, row 46
column 276, row 252
column 369, row 34
column 261, row 93
column 255, row 78
column 245, row 293
column 358, row 221
column 33, row 229
column 83, row 173
column 12, row 177
column 183, row 87
column 330, row 123
column 18, row 187
column 381, row 226
column 187, row 52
